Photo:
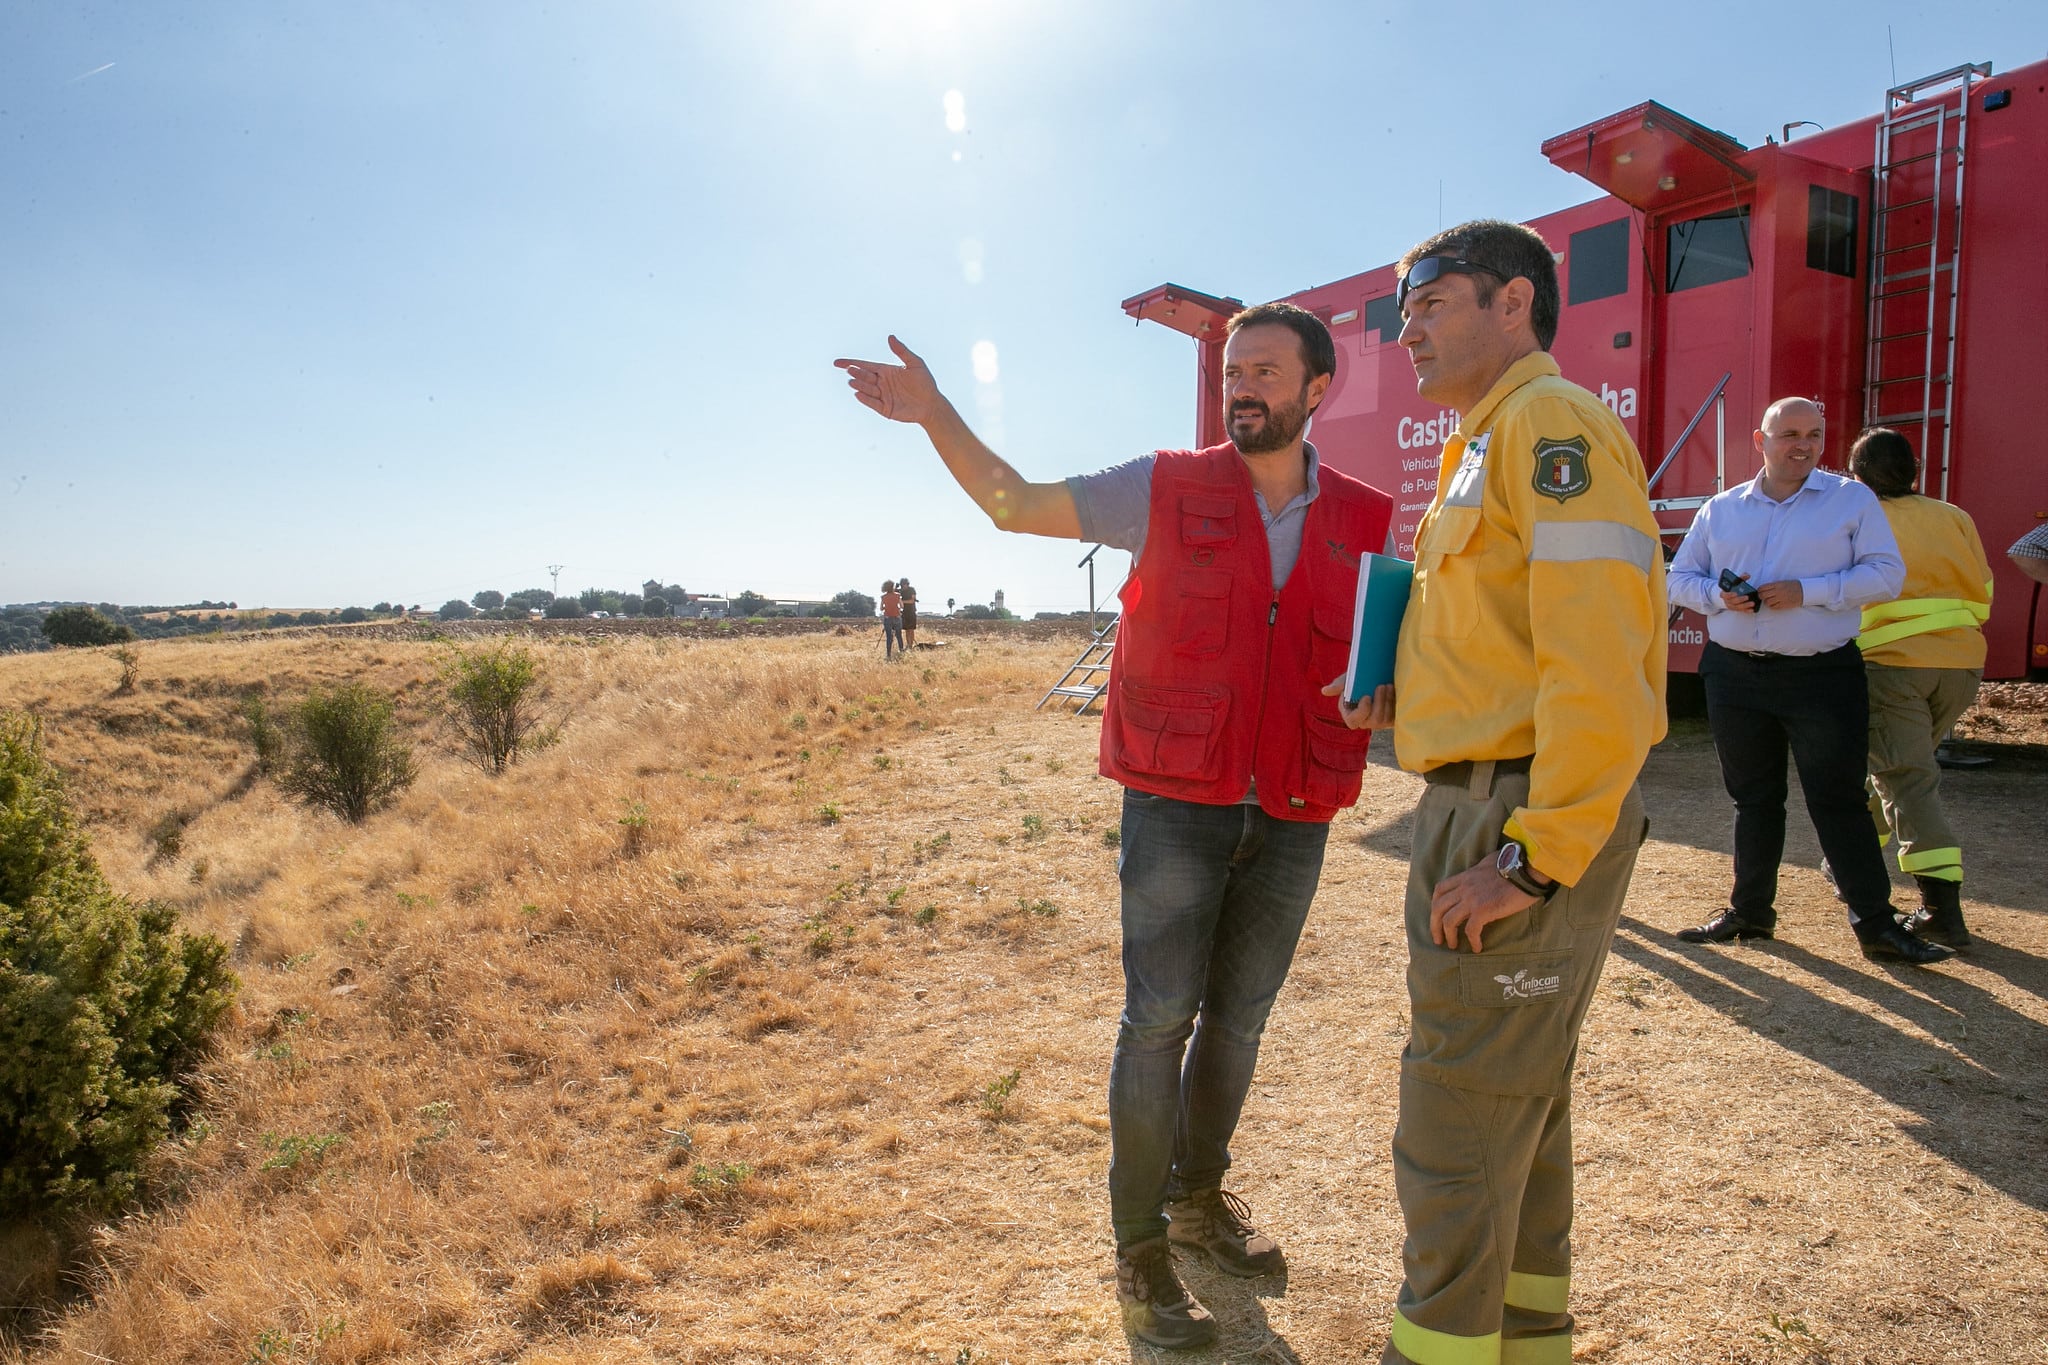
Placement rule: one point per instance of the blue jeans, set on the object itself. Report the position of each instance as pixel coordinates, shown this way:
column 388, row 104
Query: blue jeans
column 1214, row 898
column 892, row 635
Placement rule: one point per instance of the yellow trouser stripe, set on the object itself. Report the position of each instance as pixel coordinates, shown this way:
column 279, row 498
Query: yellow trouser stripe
column 1425, row 1347
column 1539, row 1293
column 1929, row 862
column 1551, row 1350
column 1918, row 616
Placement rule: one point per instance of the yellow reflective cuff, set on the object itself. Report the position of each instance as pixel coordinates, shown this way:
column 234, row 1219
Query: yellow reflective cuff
column 1904, row 607
column 1539, row 1293
column 1551, row 1350
column 1574, row 542
column 1928, row 862
column 1425, row 1347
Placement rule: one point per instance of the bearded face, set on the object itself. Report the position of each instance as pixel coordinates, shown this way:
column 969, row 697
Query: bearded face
column 1256, row 429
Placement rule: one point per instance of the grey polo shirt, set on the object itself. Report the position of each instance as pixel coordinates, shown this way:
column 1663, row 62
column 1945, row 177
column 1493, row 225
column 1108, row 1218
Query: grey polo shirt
column 1115, row 506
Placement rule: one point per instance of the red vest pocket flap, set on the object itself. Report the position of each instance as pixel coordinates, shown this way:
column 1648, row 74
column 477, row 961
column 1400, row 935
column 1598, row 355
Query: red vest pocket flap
column 1170, row 731
column 1207, row 520
column 1334, row 744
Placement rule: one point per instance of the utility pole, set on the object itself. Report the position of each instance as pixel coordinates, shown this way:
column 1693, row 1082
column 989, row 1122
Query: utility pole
column 555, row 579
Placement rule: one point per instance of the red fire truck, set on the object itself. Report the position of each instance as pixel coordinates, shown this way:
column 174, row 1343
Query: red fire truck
column 1895, row 269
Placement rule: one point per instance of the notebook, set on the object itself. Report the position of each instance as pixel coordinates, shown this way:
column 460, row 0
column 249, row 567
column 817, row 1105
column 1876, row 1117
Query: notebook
column 1383, row 584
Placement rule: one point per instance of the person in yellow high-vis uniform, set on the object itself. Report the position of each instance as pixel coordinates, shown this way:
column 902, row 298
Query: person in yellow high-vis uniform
column 1923, row 656
column 1529, row 686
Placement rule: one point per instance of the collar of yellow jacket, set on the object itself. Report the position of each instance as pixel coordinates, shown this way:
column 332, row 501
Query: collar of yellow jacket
column 1534, row 365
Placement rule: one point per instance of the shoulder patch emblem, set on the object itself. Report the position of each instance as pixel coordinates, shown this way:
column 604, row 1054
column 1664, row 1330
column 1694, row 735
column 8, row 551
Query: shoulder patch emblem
column 1562, row 471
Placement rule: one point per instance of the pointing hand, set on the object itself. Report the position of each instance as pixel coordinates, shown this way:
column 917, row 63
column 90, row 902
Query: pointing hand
column 901, row 393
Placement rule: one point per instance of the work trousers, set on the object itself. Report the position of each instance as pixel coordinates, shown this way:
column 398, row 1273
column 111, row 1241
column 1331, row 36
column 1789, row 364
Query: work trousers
column 1483, row 1145
column 1483, row 1140
column 1816, row 706
column 1214, row 898
column 1911, row 709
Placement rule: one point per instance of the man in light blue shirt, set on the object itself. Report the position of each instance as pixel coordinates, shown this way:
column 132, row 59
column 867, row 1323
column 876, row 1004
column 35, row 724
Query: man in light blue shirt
column 1782, row 567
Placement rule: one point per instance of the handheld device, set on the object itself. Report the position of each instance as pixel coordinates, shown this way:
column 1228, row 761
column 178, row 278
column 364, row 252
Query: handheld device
column 1734, row 582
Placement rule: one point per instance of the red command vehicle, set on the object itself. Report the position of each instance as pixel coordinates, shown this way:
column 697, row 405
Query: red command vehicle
column 1895, row 269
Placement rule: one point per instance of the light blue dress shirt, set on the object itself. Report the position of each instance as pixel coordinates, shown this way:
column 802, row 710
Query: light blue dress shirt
column 1831, row 535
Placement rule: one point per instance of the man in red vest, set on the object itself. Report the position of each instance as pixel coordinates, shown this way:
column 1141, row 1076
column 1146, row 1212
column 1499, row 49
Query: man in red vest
column 1244, row 563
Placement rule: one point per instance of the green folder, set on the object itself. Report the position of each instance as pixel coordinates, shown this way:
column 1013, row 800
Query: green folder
column 1383, row 584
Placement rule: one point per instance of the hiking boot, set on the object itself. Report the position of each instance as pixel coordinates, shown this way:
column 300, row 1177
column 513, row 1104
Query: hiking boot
column 1940, row 916
column 1218, row 1221
column 1158, row 1309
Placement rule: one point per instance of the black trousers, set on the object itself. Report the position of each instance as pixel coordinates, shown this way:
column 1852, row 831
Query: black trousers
column 1817, row 707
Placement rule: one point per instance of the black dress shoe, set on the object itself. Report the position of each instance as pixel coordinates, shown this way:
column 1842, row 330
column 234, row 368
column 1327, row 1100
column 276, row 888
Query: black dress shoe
column 1723, row 927
column 1889, row 943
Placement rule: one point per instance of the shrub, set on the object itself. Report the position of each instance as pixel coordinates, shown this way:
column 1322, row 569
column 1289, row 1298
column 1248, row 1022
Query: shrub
column 564, row 609
column 78, row 626
column 264, row 732
column 103, row 1005
column 344, row 752
column 494, row 703
column 131, row 668
column 455, row 609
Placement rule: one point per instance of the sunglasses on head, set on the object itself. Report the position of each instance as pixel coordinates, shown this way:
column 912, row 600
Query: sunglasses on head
column 1430, row 269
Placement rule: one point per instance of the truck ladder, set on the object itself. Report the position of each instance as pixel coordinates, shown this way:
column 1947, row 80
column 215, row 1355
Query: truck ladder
column 1916, row 264
column 1087, row 678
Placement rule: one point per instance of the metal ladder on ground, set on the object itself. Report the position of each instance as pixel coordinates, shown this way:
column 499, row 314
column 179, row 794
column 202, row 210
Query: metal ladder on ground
column 1916, row 263
column 1087, row 678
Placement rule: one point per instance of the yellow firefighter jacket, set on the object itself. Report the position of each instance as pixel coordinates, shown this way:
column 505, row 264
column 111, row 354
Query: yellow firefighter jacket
column 1536, row 625
column 1936, row 621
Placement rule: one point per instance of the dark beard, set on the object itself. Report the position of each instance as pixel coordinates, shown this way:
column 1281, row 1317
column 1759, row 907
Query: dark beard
column 1281, row 428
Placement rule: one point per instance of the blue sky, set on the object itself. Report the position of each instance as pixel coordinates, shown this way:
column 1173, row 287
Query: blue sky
column 305, row 305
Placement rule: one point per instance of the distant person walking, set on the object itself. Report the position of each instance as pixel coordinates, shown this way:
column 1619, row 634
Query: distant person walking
column 892, row 619
column 909, row 596
column 1923, row 656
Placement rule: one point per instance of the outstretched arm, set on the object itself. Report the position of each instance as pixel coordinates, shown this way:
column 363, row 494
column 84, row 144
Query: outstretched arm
column 907, row 392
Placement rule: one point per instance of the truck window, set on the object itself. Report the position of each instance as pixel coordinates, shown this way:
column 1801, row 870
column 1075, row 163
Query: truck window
column 1831, row 218
column 1706, row 250
column 1596, row 262
column 1383, row 316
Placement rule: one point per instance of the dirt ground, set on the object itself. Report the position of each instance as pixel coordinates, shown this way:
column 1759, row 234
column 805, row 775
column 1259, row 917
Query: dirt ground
column 1785, row 1153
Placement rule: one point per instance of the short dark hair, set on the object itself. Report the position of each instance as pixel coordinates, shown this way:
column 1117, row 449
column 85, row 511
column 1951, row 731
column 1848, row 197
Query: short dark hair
column 1508, row 249
column 1318, row 351
column 1884, row 459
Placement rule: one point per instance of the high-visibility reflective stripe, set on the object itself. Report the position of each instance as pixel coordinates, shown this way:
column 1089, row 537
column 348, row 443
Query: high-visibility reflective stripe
column 1573, row 542
column 1901, row 608
column 1909, row 616
column 1539, row 1293
column 1551, row 1350
column 1425, row 1347
column 1928, row 862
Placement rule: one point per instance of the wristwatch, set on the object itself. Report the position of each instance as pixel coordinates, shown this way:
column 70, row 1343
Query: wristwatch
column 1512, row 862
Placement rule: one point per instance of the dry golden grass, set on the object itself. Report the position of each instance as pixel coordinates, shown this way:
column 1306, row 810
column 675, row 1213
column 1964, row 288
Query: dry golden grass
column 677, row 1043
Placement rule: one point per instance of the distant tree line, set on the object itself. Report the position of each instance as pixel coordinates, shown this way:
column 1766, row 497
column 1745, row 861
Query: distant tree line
column 32, row 626
column 41, row 625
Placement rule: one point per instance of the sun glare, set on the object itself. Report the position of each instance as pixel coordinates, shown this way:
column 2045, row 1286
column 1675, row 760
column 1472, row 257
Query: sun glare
column 956, row 111
column 984, row 357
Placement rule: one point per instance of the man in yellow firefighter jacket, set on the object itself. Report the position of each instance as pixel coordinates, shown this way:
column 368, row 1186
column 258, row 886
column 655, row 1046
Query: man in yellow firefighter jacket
column 1528, row 688
column 1923, row 656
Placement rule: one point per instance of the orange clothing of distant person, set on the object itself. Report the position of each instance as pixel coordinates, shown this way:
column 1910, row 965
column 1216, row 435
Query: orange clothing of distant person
column 892, row 604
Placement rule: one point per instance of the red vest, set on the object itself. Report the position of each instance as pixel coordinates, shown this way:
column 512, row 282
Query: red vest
column 1217, row 679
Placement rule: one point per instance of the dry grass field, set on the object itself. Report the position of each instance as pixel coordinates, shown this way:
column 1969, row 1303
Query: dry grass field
column 766, row 1018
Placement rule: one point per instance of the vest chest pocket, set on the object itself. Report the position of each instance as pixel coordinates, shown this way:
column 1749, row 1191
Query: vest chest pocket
column 1202, row 613
column 1207, row 522
column 1329, row 647
column 1447, row 560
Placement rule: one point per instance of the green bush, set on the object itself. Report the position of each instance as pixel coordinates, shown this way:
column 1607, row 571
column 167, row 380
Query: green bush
column 77, row 626
column 494, row 702
column 344, row 752
column 264, row 732
column 104, row 1006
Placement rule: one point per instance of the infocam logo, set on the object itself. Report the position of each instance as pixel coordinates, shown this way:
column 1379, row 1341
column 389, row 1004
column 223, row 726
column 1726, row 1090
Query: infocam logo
column 1522, row 986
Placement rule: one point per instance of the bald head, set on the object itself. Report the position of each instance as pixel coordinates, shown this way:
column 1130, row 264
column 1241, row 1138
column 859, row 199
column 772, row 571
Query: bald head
column 1798, row 409
column 1790, row 441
